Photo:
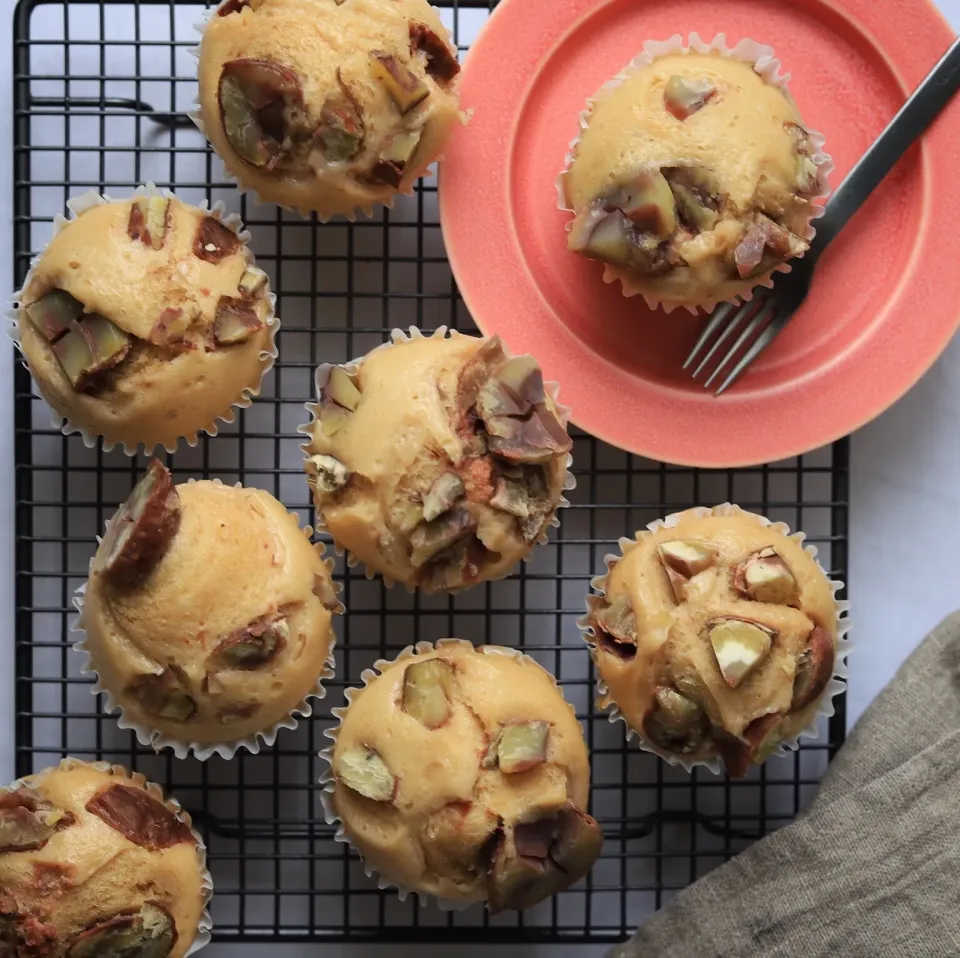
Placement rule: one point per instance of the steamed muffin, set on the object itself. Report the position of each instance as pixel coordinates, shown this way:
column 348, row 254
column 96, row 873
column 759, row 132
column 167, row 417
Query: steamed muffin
column 145, row 320
column 692, row 180
column 327, row 105
column 462, row 773
column 715, row 637
column 95, row 864
column 208, row 611
column 439, row 462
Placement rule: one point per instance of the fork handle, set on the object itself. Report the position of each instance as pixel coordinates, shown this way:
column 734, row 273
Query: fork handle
column 905, row 128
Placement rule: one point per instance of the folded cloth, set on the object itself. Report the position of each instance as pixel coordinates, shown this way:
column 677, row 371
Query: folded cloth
column 871, row 869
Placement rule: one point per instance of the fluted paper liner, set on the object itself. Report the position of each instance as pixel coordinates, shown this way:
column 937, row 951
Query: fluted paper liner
column 306, row 212
column 836, row 684
column 86, row 201
column 328, row 780
column 352, row 367
column 764, row 62
column 205, row 924
column 202, row 751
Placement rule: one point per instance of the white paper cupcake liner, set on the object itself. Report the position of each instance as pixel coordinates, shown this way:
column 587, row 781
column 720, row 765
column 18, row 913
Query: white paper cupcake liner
column 328, row 781
column 368, row 210
column 202, row 751
column 205, row 925
column 352, row 367
column 80, row 204
column 764, row 62
column 836, row 685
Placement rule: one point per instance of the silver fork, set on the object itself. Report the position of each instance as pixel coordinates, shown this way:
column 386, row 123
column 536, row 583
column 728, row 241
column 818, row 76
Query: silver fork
column 757, row 323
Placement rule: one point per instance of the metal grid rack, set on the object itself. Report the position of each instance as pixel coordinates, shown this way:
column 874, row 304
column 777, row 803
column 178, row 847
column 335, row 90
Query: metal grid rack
column 100, row 95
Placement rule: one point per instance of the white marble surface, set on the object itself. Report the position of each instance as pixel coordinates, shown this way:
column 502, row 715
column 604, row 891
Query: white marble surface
column 905, row 521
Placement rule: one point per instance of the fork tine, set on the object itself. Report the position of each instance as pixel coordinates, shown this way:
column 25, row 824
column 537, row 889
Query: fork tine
column 717, row 319
column 765, row 338
column 760, row 318
column 738, row 317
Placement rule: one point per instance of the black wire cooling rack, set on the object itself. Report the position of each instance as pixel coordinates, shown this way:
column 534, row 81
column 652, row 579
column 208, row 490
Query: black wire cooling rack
column 101, row 92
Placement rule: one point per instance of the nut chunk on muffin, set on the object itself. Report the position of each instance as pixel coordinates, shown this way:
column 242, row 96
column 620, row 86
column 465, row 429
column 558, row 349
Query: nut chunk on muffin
column 95, row 864
column 327, row 105
column 462, row 773
column 692, row 179
column 438, row 462
column 716, row 636
column 207, row 613
column 144, row 321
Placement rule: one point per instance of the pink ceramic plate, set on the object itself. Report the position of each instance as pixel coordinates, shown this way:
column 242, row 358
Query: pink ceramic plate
column 885, row 300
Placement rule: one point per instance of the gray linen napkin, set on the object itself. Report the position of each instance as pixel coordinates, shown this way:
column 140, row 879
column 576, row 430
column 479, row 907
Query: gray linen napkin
column 872, row 868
